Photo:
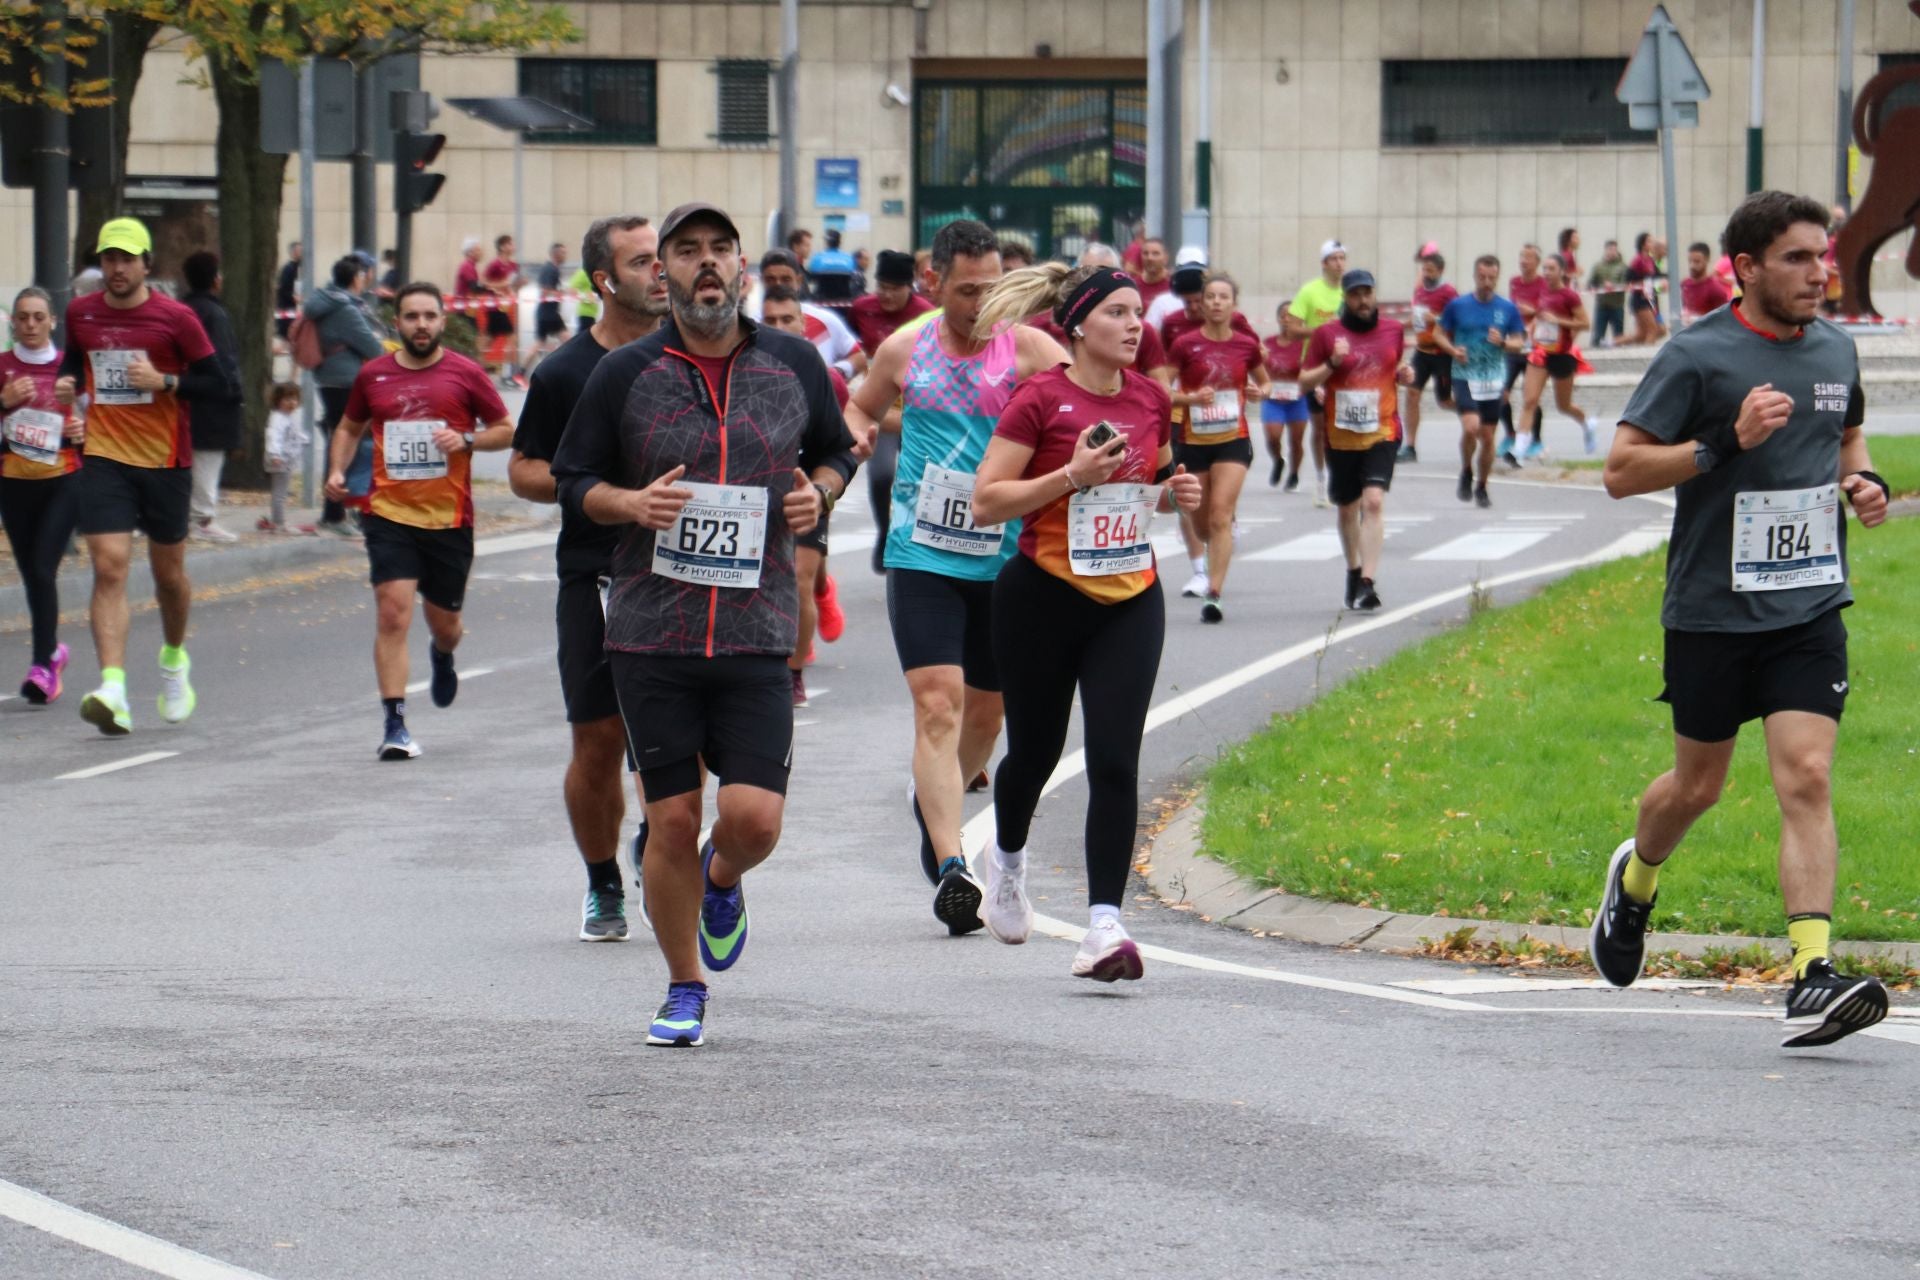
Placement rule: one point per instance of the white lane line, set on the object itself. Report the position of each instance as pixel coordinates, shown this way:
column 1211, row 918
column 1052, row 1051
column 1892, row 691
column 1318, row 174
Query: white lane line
column 1498, row 986
column 1487, row 544
column 503, row 543
column 421, row 686
column 116, row 766
column 135, row 1248
column 1323, row 544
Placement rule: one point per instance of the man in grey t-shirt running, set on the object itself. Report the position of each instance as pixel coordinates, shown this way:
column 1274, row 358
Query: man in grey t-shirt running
column 1753, row 417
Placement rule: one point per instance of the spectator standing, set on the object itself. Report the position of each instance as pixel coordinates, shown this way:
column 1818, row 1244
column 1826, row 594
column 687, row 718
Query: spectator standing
column 1608, row 280
column 862, row 271
column 286, row 442
column 348, row 340
column 587, row 308
column 215, row 420
column 831, row 271
column 286, row 290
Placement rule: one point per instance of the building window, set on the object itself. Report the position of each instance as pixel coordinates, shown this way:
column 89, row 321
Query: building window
column 746, row 117
column 1494, row 102
column 618, row 94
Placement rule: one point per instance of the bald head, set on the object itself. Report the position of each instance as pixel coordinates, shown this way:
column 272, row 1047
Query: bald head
column 1099, row 255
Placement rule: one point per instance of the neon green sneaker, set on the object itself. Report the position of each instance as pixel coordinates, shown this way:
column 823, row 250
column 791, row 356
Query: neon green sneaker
column 176, row 695
column 106, row 710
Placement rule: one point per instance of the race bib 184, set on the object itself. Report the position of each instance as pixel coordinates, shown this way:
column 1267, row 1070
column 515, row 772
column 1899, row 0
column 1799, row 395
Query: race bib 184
column 1786, row 538
column 718, row 539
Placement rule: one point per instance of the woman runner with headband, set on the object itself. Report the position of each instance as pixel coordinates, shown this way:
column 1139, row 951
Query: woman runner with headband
column 1083, row 455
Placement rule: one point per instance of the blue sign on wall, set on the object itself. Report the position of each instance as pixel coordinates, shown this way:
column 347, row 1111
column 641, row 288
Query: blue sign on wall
column 836, row 183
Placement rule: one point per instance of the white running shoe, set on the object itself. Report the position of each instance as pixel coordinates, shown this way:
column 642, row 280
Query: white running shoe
column 1107, row 954
column 177, row 699
column 1319, row 491
column 1196, row 587
column 211, row 532
column 1008, row 914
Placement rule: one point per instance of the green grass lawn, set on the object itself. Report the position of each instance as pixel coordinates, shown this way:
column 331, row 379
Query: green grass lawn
column 1489, row 772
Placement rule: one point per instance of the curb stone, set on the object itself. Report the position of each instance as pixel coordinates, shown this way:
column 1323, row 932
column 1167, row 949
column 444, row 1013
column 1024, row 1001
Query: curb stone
column 1181, row 874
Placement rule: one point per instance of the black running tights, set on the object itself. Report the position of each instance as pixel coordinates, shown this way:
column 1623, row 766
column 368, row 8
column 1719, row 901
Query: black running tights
column 1049, row 637
column 40, row 515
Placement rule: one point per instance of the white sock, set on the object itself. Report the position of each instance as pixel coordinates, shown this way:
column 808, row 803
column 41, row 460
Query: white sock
column 1523, row 441
column 1199, row 564
column 1100, row 915
column 1009, row 859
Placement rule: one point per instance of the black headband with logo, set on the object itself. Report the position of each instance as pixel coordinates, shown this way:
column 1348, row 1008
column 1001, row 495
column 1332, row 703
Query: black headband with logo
column 1089, row 294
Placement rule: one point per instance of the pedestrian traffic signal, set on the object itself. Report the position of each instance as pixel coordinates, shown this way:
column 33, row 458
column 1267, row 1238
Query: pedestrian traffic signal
column 413, row 187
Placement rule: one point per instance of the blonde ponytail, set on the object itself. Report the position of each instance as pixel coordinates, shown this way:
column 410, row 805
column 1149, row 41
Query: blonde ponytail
column 1022, row 294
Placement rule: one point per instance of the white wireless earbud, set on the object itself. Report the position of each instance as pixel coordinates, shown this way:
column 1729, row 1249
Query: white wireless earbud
column 1078, row 332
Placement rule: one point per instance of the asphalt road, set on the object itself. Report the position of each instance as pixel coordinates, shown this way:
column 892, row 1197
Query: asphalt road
column 313, row 1016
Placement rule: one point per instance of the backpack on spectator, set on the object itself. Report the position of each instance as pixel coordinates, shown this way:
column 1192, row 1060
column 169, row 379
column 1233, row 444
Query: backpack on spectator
column 304, row 338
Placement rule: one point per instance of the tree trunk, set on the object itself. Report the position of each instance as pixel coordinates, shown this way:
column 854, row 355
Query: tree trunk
column 250, row 189
column 130, row 35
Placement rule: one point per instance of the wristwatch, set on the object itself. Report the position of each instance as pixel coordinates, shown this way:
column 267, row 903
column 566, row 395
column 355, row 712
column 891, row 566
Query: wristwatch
column 826, row 498
column 1704, row 458
column 169, row 384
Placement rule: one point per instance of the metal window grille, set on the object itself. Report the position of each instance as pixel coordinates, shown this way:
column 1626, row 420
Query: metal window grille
column 620, row 96
column 746, row 102
column 1490, row 102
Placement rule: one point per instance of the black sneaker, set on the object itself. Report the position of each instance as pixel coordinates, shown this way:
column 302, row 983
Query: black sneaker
column 1618, row 944
column 1273, row 476
column 446, row 681
column 1825, row 1006
column 956, row 903
column 1464, row 490
column 1480, row 498
column 1293, row 481
column 1211, row 610
column 1368, row 599
column 1408, row 454
column 1506, row 456
column 1353, row 588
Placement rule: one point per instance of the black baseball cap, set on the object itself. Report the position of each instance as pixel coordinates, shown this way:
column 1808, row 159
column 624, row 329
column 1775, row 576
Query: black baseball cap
column 893, row 267
column 695, row 210
column 1356, row 279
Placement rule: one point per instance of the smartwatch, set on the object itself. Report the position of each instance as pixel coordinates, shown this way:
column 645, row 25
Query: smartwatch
column 1704, row 457
column 826, row 498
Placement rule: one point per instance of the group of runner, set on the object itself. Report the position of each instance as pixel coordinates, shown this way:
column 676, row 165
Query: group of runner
column 696, row 454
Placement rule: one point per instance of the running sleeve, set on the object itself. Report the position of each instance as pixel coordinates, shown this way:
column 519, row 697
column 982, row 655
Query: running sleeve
column 542, row 421
column 589, row 452
column 482, row 399
column 1856, row 405
column 825, row 442
column 1667, row 401
column 1023, row 420
column 73, row 364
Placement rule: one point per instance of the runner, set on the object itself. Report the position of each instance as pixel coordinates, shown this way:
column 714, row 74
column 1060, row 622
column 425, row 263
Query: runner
column 39, row 496
column 1318, row 301
column 1152, row 277
column 1753, row 418
column 1214, row 365
column 1560, row 317
column 1430, row 297
column 875, row 317
column 1702, row 291
column 957, row 378
column 1357, row 357
column 1643, row 291
column 825, row 329
column 712, row 443
column 1568, row 245
column 423, row 404
column 620, row 257
column 780, row 309
column 1174, row 313
column 1526, row 290
column 1084, row 583
column 144, row 356
column 1477, row 331
column 1283, row 410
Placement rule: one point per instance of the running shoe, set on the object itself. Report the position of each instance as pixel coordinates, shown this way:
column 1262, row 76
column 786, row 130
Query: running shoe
column 1320, row 491
column 208, row 531
column 1368, row 599
column 1588, row 438
column 929, row 860
column 1273, row 476
column 603, row 917
column 681, row 1022
column 1618, row 943
column 1506, row 456
column 1008, row 915
column 398, row 744
column 1196, row 586
column 1825, row 1006
column 446, row 681
column 106, row 710
column 1408, row 454
column 1292, row 484
column 799, row 682
column 833, row 621
column 1353, row 587
column 1107, row 954
column 723, row 919
column 639, row 880
column 1535, row 450
column 956, row 903
column 43, row 683
column 1464, row 490
column 1211, row 610
column 1480, row 498
column 177, row 699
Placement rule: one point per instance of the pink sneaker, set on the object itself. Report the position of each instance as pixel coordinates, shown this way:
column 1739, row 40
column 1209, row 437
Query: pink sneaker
column 43, row 684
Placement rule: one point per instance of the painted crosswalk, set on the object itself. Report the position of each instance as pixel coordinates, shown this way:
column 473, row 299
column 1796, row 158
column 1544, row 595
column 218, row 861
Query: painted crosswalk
column 1324, row 543
column 1508, row 537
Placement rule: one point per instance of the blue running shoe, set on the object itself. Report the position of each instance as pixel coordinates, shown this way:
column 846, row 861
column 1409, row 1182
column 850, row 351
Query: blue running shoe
column 681, row 1022
column 398, row 744
column 446, row 681
column 723, row 920
column 639, row 880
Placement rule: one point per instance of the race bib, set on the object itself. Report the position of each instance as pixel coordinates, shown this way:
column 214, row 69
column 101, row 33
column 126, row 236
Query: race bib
column 1283, row 391
column 409, row 450
column 1786, row 538
column 34, row 434
column 1485, row 388
column 1107, row 529
column 1421, row 318
column 1357, row 411
column 1221, row 417
column 943, row 518
column 1545, row 332
column 110, row 384
column 718, row 539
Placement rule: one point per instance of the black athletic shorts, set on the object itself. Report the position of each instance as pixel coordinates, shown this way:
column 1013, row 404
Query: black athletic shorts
column 1717, row 681
column 1201, row 457
column 1437, row 366
column 816, row 540
column 1488, row 411
column 547, row 320
column 943, row 622
column 499, row 322
column 1516, row 366
column 586, row 680
column 1562, row 365
column 736, row 713
column 118, row 498
column 1351, row 471
column 437, row 559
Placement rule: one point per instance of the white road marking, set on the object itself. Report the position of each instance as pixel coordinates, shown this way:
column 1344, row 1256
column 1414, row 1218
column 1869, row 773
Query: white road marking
column 421, row 686
column 135, row 1248
column 1498, row 986
column 1323, row 544
column 116, row 766
column 1495, row 543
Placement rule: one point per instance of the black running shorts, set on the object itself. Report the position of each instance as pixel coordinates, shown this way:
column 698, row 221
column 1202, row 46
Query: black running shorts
column 586, row 680
column 118, row 498
column 943, row 622
column 736, row 713
column 1352, row 471
column 1717, row 681
column 436, row 559
column 1201, row 457
column 1562, row 365
column 1437, row 366
column 816, row 540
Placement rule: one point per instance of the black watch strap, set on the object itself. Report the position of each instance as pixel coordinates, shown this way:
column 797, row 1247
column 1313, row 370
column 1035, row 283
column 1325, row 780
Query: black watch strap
column 1877, row 479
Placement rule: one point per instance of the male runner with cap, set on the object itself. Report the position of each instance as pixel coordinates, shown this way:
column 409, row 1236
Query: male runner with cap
column 941, row 566
column 711, row 443
column 1316, row 302
column 619, row 256
column 1477, row 331
column 143, row 357
column 1752, row 415
column 429, row 409
column 1357, row 357
column 1430, row 297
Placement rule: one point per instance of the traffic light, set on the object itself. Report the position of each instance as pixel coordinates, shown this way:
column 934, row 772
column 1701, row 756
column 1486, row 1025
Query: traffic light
column 413, row 187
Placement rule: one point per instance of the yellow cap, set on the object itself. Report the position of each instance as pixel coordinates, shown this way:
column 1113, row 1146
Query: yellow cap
column 128, row 235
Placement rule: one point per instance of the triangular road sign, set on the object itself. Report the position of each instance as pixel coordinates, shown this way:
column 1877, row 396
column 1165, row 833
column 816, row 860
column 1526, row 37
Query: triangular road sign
column 1672, row 74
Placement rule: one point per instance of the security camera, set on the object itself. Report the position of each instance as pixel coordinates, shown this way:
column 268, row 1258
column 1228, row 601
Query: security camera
column 897, row 95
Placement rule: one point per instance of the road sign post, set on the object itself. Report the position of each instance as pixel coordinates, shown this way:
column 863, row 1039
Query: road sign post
column 1662, row 89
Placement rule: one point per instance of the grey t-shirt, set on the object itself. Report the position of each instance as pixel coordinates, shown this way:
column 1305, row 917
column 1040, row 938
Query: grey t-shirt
column 1693, row 388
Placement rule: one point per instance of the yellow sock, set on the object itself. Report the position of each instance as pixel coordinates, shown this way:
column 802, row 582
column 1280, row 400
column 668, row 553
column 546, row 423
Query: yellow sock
column 1809, row 935
column 1640, row 879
